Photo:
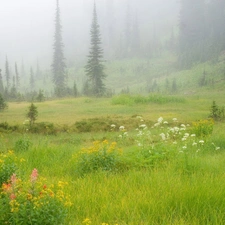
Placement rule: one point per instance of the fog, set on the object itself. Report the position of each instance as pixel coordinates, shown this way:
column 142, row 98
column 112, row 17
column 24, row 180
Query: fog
column 27, row 26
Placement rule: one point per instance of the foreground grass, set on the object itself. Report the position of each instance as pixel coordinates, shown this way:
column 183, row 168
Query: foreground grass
column 184, row 188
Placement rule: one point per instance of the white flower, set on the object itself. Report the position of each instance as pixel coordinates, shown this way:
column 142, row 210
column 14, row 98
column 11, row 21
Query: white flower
column 181, row 152
column 194, row 144
column 165, row 122
column 201, row 142
column 193, row 135
column 182, row 125
column 113, row 125
column 142, row 126
column 184, row 147
column 156, row 124
column 121, row 127
column 163, row 136
column 160, row 120
column 125, row 134
column 174, row 119
column 120, row 136
column 186, row 135
column 184, row 139
column 174, row 142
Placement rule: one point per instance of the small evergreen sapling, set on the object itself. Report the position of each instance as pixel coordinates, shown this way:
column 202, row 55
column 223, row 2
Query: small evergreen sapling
column 3, row 104
column 32, row 113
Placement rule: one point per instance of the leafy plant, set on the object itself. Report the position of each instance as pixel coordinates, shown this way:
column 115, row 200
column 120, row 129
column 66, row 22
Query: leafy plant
column 100, row 156
column 22, row 144
column 8, row 166
column 203, row 128
column 33, row 202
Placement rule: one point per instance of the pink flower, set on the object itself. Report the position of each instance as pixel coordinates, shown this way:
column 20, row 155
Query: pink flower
column 34, row 175
column 13, row 179
column 12, row 196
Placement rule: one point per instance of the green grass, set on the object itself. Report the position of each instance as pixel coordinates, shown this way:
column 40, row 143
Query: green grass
column 181, row 188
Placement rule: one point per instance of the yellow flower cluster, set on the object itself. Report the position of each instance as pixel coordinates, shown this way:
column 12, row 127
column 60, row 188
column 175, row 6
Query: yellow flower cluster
column 203, row 127
column 99, row 146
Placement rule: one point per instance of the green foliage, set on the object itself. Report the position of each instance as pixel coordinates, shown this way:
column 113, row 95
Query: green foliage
column 32, row 113
column 22, row 144
column 216, row 112
column 43, row 128
column 4, row 126
column 138, row 99
column 40, row 97
column 3, row 104
column 94, row 67
column 8, row 166
column 203, row 128
column 102, row 156
column 33, row 202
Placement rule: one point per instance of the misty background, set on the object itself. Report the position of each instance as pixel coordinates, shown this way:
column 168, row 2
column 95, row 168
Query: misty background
column 27, row 27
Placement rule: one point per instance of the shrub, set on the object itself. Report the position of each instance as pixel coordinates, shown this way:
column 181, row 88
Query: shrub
column 100, row 156
column 216, row 112
column 33, row 202
column 8, row 166
column 203, row 128
column 22, row 144
column 3, row 104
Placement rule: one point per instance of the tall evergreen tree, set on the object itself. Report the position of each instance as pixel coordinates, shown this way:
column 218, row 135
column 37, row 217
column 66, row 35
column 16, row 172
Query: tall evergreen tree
column 94, row 67
column 192, row 32
column 17, row 76
column 58, row 66
column 7, row 73
column 1, row 83
column 32, row 81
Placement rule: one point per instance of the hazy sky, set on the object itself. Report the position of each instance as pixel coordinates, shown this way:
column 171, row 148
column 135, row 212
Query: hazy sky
column 27, row 26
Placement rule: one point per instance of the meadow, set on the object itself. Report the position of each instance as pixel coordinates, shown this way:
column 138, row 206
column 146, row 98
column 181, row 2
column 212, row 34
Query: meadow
column 126, row 160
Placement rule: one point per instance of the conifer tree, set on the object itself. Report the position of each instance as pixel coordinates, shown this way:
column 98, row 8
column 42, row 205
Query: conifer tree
column 17, row 77
column 1, row 83
column 58, row 65
column 94, row 67
column 32, row 82
column 32, row 113
column 7, row 73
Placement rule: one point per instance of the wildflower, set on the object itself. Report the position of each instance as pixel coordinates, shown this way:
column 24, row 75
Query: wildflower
column 184, row 139
column 201, row 142
column 34, row 175
column 174, row 119
column 160, row 120
column 193, row 135
column 194, row 144
column 182, row 125
column 163, row 136
column 121, row 127
column 13, row 179
column 113, row 125
column 174, row 142
column 142, row 126
column 165, row 122
column 87, row 221
column 12, row 196
column 184, row 147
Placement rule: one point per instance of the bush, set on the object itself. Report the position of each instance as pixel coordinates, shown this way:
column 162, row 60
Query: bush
column 101, row 156
column 3, row 104
column 22, row 144
column 203, row 128
column 33, row 202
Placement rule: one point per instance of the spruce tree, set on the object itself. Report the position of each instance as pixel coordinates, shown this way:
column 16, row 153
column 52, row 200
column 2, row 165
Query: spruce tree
column 32, row 113
column 1, row 83
column 17, row 76
column 7, row 73
column 58, row 65
column 94, row 67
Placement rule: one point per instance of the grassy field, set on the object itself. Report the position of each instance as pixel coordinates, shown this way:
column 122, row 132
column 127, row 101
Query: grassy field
column 159, row 176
